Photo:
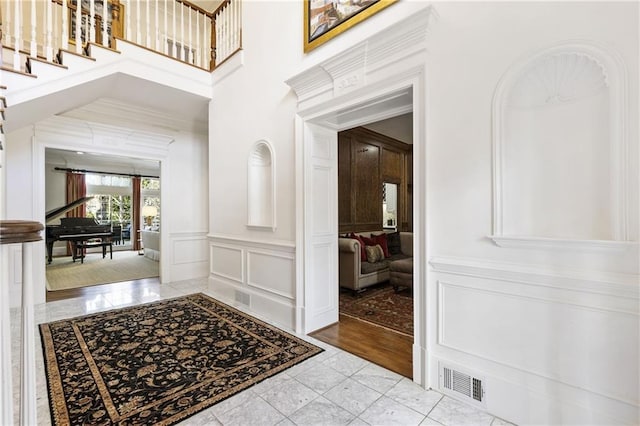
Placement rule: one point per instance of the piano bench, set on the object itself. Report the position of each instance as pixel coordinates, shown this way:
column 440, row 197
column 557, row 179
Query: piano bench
column 81, row 246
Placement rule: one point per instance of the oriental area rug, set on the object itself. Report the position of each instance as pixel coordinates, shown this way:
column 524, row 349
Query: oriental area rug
column 159, row 363
column 382, row 306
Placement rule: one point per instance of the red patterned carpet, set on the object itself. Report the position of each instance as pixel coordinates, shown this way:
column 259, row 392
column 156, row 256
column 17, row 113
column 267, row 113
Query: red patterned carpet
column 380, row 305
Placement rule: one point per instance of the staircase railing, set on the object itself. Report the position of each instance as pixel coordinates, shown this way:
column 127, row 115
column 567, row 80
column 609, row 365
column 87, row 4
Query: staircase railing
column 175, row 28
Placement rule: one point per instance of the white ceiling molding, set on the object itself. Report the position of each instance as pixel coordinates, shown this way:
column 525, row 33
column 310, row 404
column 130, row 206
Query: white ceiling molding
column 358, row 65
column 75, row 134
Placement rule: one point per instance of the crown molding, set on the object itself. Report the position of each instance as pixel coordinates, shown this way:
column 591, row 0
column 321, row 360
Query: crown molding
column 354, row 67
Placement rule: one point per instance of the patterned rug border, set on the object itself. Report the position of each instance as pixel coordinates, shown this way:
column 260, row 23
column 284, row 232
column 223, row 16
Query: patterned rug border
column 193, row 410
column 376, row 324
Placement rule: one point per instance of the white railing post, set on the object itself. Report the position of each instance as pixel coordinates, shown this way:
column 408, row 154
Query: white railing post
column 7, row 25
column 6, row 388
column 78, row 27
column 198, row 53
column 65, row 25
column 48, row 48
column 34, row 44
column 17, row 29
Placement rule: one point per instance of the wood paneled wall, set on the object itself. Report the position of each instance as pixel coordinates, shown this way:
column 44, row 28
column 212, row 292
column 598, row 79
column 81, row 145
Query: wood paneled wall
column 367, row 159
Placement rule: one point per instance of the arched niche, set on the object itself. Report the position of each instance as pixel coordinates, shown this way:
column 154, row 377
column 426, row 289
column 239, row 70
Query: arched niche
column 559, row 120
column 261, row 186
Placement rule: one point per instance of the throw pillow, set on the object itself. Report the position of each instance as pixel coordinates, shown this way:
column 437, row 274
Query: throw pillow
column 382, row 240
column 374, row 253
column 393, row 243
column 363, row 253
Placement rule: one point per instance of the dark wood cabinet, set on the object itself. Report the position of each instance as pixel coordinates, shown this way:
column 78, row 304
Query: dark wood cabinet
column 366, row 160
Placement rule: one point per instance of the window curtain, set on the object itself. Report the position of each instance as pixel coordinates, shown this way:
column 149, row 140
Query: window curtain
column 76, row 189
column 135, row 214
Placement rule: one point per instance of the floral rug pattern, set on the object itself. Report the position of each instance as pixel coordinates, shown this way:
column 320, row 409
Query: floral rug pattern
column 380, row 305
column 161, row 362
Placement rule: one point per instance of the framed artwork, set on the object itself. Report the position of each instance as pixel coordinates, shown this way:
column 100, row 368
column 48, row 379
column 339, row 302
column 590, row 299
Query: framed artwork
column 115, row 13
column 325, row 19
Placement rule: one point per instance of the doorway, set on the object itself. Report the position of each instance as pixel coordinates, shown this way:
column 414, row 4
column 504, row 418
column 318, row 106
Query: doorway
column 318, row 226
column 113, row 232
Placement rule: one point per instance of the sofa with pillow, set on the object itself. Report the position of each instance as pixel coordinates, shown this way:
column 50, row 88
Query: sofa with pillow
column 360, row 263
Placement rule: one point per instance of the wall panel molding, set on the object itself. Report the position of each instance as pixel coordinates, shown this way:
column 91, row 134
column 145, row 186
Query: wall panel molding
column 583, row 281
column 541, row 326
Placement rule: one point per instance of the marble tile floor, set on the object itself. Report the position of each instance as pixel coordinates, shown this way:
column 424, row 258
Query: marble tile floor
column 333, row 388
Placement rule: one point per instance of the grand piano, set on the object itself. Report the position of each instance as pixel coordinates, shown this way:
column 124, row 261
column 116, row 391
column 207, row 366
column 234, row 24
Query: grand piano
column 74, row 229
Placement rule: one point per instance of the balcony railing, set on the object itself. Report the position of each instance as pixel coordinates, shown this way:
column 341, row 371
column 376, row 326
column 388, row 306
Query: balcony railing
column 175, row 28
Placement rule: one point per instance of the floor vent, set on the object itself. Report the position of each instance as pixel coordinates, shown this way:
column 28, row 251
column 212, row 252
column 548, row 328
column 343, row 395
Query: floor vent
column 243, row 298
column 462, row 384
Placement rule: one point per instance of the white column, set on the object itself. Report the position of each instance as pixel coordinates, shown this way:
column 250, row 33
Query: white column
column 78, row 28
column 28, row 364
column 17, row 30
column 6, row 391
column 34, row 45
column 65, row 25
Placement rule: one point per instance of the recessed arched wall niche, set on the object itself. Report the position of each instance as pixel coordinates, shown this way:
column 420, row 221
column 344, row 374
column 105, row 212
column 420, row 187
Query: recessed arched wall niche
column 559, row 120
column 262, row 186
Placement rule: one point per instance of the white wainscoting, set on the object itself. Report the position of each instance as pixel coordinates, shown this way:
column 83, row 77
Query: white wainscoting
column 255, row 275
column 555, row 348
column 190, row 255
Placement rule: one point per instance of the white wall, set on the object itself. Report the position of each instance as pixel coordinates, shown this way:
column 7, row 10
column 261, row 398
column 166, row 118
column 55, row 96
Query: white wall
column 553, row 331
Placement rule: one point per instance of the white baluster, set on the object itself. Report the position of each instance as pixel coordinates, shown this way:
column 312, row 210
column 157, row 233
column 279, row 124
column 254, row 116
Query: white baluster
column 7, row 22
column 78, row 27
column 65, row 25
column 166, row 27
column 189, row 54
column 49, row 43
column 218, row 37
column 157, row 42
column 34, row 45
column 127, row 19
column 198, row 57
column 138, row 27
column 105, row 23
column 181, row 31
column 17, row 30
column 92, row 21
column 28, row 363
column 148, row 16
column 173, row 35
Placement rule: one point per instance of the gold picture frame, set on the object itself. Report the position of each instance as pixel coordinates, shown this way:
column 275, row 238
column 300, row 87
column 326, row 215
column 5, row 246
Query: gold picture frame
column 325, row 19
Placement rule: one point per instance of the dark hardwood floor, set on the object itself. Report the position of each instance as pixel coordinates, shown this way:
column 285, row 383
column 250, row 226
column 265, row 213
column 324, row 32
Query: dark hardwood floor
column 381, row 346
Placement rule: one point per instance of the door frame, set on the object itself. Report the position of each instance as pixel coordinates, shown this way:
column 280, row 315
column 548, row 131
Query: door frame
column 320, row 115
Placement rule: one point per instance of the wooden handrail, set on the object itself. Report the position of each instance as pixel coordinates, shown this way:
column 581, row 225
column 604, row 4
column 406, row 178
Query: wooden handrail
column 19, row 231
column 222, row 5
